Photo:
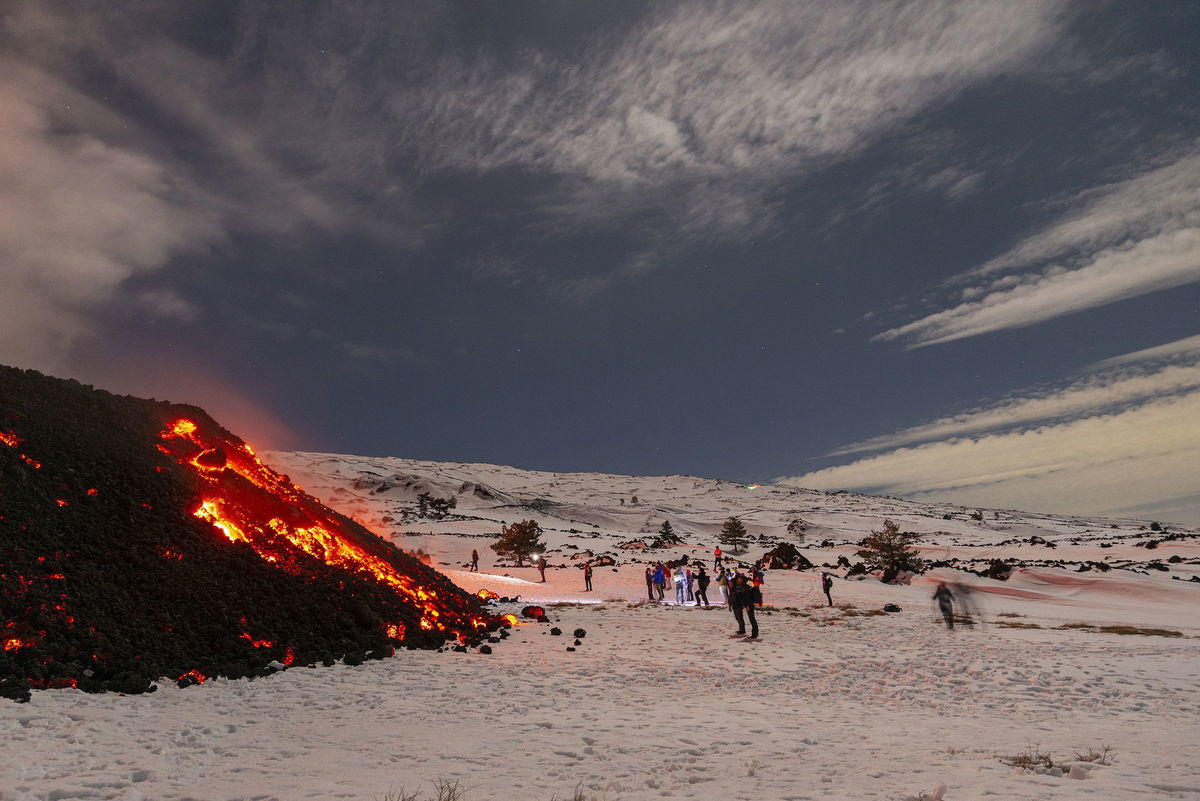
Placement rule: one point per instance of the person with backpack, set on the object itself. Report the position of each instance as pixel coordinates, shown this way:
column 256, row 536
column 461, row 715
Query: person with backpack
column 826, row 586
column 587, row 576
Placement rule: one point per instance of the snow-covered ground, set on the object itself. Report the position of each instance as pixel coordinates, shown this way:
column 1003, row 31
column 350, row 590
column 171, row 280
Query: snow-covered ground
column 658, row 701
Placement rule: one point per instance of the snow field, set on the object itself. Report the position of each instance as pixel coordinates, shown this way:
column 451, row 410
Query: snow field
column 657, row 702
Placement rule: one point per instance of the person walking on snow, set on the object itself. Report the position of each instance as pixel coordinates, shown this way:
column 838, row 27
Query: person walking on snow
column 945, row 601
column 660, row 580
column 717, row 557
column 743, row 597
column 649, row 583
column 474, row 560
column 702, row 587
column 680, row 585
column 826, row 586
column 587, row 576
column 689, row 584
column 542, row 568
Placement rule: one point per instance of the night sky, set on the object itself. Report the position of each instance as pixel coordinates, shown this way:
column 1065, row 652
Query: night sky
column 933, row 250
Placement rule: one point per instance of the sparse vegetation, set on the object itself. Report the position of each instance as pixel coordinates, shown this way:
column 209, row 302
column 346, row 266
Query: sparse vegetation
column 443, row 790
column 733, row 535
column 434, row 508
column 1031, row 758
column 1100, row 756
column 891, row 551
column 1146, row 632
column 519, row 541
column 796, row 529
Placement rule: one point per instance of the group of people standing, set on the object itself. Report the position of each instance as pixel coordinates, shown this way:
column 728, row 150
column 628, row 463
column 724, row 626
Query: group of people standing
column 690, row 587
column 741, row 592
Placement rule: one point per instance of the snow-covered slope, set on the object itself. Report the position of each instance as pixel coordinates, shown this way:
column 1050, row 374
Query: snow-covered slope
column 657, row 700
column 583, row 515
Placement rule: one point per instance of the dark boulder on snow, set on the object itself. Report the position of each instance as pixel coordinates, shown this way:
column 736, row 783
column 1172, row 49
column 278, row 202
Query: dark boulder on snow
column 784, row 556
column 580, row 632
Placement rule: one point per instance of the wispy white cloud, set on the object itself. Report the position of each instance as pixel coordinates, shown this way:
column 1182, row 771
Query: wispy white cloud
column 79, row 217
column 708, row 109
column 1116, row 242
column 1121, row 441
column 1085, row 397
column 1137, row 462
column 1187, row 348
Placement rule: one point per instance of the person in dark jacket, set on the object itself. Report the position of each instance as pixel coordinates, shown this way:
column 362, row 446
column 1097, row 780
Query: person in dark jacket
column 742, row 598
column 945, row 601
column 826, row 586
column 587, row 576
column 649, row 583
column 474, row 560
column 701, row 587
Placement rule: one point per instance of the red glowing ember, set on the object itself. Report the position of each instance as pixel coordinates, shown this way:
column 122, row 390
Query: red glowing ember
column 486, row 595
column 250, row 503
column 194, row 675
column 510, row 619
column 533, row 612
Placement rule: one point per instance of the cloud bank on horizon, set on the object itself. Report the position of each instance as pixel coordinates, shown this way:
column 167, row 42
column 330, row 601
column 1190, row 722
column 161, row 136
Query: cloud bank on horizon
column 1120, row 440
column 414, row 201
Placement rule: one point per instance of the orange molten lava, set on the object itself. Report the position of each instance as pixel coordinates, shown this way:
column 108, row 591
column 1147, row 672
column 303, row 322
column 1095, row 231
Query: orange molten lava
column 248, row 502
column 486, row 595
column 195, row 674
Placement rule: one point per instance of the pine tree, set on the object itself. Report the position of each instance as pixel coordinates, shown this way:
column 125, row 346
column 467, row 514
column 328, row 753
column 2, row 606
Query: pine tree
column 733, row 535
column 519, row 541
column 666, row 534
column 891, row 551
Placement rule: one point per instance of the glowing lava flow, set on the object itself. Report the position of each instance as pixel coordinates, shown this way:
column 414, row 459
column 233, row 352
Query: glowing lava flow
column 248, row 502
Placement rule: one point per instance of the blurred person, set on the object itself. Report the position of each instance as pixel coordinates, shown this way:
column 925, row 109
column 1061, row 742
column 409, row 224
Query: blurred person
column 945, row 600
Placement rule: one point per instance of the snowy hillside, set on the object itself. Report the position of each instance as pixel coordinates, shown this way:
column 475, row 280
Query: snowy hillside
column 586, row 515
column 1088, row 655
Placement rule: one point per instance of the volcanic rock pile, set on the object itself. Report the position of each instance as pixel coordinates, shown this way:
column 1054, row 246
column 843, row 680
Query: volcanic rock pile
column 140, row 540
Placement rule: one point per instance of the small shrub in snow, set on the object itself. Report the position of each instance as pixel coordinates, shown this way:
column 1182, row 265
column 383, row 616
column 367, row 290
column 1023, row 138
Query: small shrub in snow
column 1031, row 758
column 1099, row 756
